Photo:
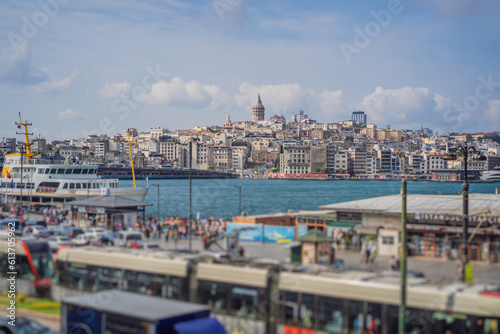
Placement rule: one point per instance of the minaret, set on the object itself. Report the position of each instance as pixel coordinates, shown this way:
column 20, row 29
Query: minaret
column 258, row 110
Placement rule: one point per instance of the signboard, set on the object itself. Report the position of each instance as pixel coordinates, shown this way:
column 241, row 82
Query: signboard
column 104, row 192
column 469, row 273
column 301, row 230
column 278, row 234
column 254, row 234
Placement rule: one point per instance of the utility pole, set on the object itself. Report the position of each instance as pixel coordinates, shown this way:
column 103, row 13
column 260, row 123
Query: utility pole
column 402, row 262
column 158, row 200
column 190, row 191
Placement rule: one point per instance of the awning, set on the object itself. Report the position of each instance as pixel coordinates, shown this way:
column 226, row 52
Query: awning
column 203, row 325
column 363, row 229
column 343, row 224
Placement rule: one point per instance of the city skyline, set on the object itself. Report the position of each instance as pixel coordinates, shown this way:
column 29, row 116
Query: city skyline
column 74, row 69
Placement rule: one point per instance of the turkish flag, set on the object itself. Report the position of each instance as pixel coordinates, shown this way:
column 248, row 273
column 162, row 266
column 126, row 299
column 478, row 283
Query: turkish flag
column 8, row 175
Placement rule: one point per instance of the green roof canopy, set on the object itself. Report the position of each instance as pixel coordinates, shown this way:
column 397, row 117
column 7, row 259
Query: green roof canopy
column 315, row 236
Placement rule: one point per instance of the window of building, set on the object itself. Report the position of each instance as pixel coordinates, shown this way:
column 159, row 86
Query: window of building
column 387, row 240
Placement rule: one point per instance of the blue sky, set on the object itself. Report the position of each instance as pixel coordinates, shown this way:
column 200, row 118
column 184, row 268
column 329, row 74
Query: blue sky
column 79, row 67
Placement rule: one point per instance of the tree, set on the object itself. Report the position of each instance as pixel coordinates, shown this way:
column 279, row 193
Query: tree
column 468, row 137
column 49, row 147
column 277, row 162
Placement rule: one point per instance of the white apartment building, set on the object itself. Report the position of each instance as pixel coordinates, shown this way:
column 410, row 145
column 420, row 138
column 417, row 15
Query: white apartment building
column 434, row 161
column 341, row 162
column 295, row 160
column 101, row 148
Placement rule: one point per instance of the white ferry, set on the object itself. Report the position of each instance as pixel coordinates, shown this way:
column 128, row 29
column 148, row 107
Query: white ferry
column 491, row 176
column 29, row 179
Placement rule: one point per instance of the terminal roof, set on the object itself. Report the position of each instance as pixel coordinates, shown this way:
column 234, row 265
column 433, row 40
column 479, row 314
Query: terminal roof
column 479, row 205
column 135, row 305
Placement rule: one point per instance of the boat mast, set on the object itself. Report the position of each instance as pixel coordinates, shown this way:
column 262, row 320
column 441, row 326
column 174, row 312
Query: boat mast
column 28, row 143
column 131, row 156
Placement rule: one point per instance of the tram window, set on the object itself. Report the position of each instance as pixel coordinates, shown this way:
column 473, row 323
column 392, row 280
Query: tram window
column 356, row 316
column 65, row 186
column 77, row 277
column 43, row 264
column 116, row 278
column 245, row 301
column 175, row 288
column 453, row 323
column 290, row 305
column 373, row 318
column 331, row 317
column 60, row 274
column 392, row 319
column 307, row 314
column 24, row 270
column 213, row 294
column 489, row 325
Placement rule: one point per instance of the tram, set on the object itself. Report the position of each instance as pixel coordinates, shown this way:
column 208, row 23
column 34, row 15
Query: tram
column 33, row 266
column 265, row 297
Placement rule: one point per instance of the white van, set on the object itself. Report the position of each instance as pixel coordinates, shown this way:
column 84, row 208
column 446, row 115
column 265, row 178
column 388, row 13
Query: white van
column 124, row 238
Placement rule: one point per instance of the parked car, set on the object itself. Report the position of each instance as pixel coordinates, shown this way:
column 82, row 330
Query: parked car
column 36, row 222
column 83, row 239
column 106, row 239
column 95, row 231
column 7, row 223
column 124, row 238
column 25, row 325
column 69, row 231
column 36, row 231
column 56, row 242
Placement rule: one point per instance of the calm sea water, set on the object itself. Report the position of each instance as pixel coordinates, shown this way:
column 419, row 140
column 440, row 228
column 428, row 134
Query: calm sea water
column 219, row 198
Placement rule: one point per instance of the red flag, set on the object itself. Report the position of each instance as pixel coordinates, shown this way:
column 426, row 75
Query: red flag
column 8, row 175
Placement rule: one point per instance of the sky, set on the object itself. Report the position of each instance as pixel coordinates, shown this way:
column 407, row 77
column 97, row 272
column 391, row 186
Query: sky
column 74, row 68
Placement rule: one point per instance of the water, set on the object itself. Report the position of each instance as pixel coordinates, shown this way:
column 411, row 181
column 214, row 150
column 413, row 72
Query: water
column 219, row 198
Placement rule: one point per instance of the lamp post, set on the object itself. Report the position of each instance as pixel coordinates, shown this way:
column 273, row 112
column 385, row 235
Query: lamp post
column 190, row 190
column 465, row 150
column 157, row 185
column 239, row 206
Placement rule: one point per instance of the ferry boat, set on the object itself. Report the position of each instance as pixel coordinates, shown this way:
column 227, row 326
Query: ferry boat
column 492, row 176
column 28, row 179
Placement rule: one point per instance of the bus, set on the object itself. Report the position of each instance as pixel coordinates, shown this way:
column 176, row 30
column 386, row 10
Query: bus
column 33, row 266
column 252, row 296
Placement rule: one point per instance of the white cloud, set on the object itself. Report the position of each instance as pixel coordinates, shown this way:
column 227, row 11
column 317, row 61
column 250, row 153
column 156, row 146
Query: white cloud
column 53, row 84
column 115, row 90
column 492, row 114
column 442, row 103
column 287, row 99
column 68, row 115
column 277, row 99
column 401, row 106
column 185, row 94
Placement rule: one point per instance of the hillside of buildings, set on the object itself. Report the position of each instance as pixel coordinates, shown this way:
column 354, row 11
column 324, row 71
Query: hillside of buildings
column 351, row 148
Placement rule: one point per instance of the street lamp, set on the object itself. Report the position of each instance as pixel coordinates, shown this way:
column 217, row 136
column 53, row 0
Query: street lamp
column 157, row 185
column 190, row 189
column 465, row 150
column 239, row 207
